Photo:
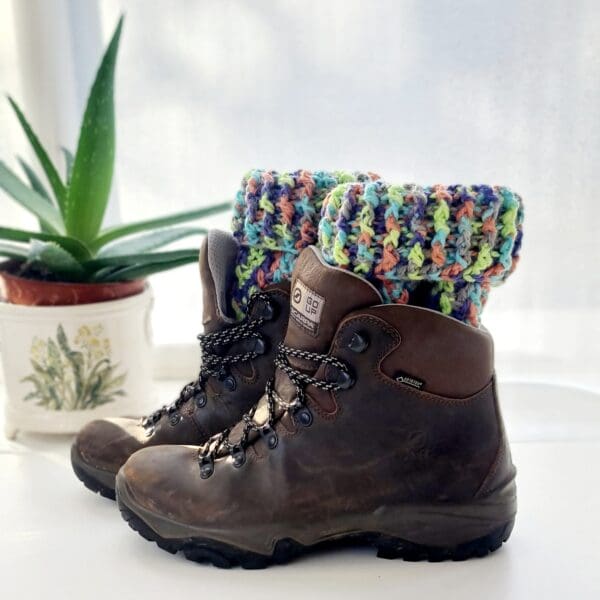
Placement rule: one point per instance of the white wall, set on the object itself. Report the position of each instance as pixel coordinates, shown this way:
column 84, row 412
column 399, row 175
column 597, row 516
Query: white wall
column 500, row 91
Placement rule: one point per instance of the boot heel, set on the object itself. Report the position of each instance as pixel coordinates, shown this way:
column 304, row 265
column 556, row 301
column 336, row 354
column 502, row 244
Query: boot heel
column 390, row 548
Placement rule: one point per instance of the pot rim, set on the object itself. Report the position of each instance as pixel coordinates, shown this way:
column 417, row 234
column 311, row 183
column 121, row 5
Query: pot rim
column 97, row 309
column 4, row 270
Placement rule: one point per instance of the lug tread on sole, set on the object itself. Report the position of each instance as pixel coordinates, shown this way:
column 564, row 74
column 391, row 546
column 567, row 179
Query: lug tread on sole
column 225, row 556
column 93, row 484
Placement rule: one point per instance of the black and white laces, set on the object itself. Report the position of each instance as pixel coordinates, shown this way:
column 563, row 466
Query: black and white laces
column 277, row 406
column 216, row 360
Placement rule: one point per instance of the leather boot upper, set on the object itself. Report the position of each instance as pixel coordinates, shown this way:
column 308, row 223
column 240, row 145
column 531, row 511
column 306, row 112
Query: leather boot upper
column 413, row 418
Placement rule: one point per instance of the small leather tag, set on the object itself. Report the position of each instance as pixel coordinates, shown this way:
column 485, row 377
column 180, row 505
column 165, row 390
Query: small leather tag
column 306, row 308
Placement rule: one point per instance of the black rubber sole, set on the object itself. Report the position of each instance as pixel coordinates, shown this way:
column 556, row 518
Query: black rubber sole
column 90, row 482
column 225, row 556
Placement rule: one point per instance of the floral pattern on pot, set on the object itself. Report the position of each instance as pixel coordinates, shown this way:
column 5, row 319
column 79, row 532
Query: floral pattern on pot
column 74, row 376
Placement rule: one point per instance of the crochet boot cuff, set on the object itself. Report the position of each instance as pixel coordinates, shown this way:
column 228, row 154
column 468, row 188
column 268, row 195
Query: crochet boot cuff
column 442, row 247
column 276, row 215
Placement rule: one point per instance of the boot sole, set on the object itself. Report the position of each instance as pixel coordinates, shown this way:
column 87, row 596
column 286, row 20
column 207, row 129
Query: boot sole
column 225, row 556
column 98, row 481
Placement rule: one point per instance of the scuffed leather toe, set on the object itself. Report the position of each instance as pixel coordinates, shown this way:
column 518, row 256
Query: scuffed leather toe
column 163, row 480
column 107, row 443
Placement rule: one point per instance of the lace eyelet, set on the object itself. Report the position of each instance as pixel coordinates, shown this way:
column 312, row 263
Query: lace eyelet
column 187, row 392
column 201, row 400
column 207, row 467
column 303, row 416
column 230, row 383
column 259, row 346
column 174, row 419
column 239, row 457
column 264, row 310
column 358, row 343
column 270, row 437
column 341, row 378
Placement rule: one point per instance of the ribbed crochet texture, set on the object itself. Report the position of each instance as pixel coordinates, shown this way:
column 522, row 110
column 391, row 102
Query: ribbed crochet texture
column 276, row 215
column 454, row 242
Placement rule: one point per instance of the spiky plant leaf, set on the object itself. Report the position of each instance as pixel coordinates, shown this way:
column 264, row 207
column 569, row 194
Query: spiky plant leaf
column 49, row 256
column 92, row 174
column 103, row 273
column 69, row 159
column 119, row 231
column 71, row 245
column 149, row 241
column 36, row 185
column 30, row 200
column 13, row 250
column 54, row 180
column 141, row 259
column 34, row 181
column 143, row 270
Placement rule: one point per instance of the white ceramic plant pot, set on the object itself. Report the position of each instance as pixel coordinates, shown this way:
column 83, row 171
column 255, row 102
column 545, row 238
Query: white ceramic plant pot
column 66, row 365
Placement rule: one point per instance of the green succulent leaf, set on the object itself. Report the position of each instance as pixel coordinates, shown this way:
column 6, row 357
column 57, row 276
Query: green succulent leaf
column 34, row 181
column 139, row 271
column 69, row 160
column 119, row 231
column 30, row 200
column 13, row 250
column 58, row 187
column 51, row 257
column 124, row 260
column 103, row 273
column 37, row 185
column 71, row 245
column 149, row 241
column 92, row 172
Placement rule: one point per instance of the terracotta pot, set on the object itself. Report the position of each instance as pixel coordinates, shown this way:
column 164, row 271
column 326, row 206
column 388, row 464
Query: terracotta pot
column 34, row 292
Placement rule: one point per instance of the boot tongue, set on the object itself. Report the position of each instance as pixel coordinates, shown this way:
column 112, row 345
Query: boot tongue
column 218, row 254
column 322, row 295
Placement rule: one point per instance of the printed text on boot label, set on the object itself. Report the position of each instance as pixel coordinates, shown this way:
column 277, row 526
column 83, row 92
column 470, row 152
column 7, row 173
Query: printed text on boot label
column 306, row 308
column 410, row 380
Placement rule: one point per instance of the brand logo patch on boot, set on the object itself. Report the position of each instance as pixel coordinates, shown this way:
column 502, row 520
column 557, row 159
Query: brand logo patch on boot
column 410, row 380
column 306, row 308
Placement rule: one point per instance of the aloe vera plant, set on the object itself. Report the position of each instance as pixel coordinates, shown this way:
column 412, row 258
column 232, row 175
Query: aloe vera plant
column 72, row 245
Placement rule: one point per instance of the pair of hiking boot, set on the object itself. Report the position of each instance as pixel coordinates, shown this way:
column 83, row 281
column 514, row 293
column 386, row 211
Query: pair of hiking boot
column 325, row 416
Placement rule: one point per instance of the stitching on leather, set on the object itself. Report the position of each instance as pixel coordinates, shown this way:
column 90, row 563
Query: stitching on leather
column 397, row 339
column 328, row 416
column 249, row 380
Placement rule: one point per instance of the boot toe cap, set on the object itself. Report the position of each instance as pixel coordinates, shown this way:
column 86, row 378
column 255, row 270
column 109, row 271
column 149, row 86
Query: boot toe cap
column 106, row 444
column 161, row 481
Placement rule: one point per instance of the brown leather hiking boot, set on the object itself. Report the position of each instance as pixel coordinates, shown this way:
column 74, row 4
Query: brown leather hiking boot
column 382, row 427
column 237, row 360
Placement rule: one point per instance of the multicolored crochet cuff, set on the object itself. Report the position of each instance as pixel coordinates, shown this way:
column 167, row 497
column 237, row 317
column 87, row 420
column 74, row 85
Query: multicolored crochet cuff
column 276, row 215
column 442, row 246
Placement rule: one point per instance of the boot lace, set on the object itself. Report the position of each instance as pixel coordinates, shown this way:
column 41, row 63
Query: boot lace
column 277, row 406
column 214, row 361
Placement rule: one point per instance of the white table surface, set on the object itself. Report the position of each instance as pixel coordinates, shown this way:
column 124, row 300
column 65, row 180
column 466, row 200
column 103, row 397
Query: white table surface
column 57, row 540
